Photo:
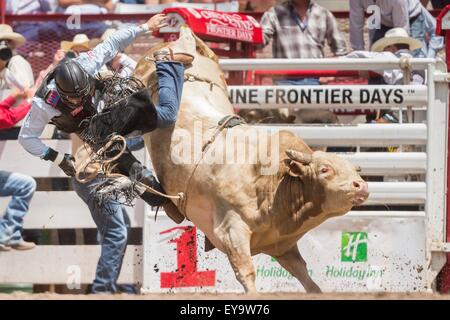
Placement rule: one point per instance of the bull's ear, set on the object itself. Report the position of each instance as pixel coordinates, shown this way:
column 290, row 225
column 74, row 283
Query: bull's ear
column 296, row 169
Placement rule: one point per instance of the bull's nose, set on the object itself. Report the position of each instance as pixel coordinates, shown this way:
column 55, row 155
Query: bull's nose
column 361, row 192
column 361, row 187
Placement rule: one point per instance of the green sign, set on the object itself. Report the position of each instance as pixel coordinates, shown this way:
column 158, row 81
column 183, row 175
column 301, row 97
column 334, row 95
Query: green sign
column 354, row 247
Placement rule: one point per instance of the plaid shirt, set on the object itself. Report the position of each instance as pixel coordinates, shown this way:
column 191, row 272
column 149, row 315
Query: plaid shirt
column 293, row 38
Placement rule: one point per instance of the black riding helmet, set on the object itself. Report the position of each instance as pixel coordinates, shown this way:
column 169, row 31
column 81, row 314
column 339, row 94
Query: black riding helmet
column 73, row 84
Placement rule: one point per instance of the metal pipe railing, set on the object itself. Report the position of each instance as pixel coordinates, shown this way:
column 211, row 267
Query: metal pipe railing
column 321, row 64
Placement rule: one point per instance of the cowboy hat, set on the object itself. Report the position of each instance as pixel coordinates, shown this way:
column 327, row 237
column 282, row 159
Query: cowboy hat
column 396, row 36
column 6, row 32
column 80, row 40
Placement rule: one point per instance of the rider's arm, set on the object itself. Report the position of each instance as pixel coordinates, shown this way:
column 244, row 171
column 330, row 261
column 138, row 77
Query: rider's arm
column 92, row 61
column 33, row 126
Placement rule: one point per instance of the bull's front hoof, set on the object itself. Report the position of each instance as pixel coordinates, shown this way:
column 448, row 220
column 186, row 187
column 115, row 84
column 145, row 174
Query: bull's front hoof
column 313, row 289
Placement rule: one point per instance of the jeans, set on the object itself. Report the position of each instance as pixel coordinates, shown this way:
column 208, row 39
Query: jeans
column 135, row 143
column 21, row 188
column 299, row 82
column 112, row 223
column 417, row 31
column 171, row 80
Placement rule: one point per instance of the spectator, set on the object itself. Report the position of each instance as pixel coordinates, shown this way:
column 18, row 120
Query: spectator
column 407, row 14
column 85, row 6
column 78, row 7
column 79, row 44
column 395, row 44
column 394, row 13
column 30, row 6
column 15, row 71
column 18, row 186
column 299, row 29
column 31, row 30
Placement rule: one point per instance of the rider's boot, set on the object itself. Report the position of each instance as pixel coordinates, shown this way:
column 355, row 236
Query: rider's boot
column 182, row 50
column 155, row 200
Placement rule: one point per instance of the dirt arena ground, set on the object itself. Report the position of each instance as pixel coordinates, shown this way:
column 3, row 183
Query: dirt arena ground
column 189, row 296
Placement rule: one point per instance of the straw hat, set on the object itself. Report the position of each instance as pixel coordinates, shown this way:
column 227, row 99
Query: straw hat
column 396, row 36
column 80, row 40
column 6, row 32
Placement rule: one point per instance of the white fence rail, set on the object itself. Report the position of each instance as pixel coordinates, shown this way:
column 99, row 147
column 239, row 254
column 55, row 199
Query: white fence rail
column 374, row 135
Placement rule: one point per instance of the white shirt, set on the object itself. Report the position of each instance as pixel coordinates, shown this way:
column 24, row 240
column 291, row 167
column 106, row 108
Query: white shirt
column 20, row 70
column 394, row 13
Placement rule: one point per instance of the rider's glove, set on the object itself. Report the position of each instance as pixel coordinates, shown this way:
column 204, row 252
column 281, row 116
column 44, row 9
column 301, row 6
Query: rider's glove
column 65, row 161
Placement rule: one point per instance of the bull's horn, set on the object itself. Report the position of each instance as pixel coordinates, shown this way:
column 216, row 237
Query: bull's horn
column 304, row 158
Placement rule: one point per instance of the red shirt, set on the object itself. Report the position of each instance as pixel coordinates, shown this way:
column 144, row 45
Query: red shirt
column 10, row 116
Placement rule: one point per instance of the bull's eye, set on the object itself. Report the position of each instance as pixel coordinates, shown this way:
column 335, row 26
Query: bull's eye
column 324, row 170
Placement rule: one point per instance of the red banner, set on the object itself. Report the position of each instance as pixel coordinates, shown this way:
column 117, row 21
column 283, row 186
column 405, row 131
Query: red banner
column 214, row 25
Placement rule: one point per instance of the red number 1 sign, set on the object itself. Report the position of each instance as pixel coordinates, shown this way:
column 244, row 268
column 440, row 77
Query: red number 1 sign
column 186, row 274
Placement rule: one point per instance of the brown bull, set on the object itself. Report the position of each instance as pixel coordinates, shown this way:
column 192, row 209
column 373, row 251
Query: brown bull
column 250, row 207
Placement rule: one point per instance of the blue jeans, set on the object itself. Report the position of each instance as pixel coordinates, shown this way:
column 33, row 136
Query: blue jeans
column 417, row 31
column 299, row 82
column 21, row 188
column 112, row 223
column 171, row 80
column 135, row 143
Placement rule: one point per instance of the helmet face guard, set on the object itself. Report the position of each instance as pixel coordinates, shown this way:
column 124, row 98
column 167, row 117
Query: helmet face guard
column 74, row 85
column 74, row 101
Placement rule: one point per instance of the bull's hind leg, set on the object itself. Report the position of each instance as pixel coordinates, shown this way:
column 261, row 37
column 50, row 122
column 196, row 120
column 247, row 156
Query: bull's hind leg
column 235, row 236
column 293, row 262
